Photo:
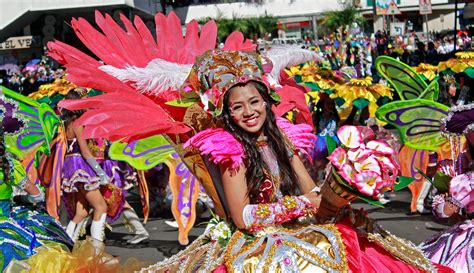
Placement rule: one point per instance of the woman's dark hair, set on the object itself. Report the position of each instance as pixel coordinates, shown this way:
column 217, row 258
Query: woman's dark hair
column 253, row 160
column 68, row 116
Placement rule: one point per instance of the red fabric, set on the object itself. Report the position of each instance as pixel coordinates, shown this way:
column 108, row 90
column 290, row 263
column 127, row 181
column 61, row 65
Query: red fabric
column 123, row 115
column 364, row 256
column 292, row 98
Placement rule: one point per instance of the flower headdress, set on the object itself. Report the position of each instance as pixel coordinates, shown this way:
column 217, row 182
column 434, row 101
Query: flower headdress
column 217, row 71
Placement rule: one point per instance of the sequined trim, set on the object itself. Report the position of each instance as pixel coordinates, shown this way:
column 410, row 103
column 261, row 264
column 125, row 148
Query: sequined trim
column 280, row 250
column 80, row 176
column 14, row 114
column 402, row 249
column 451, row 112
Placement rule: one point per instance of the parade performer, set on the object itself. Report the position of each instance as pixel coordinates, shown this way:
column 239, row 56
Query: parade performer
column 82, row 177
column 123, row 177
column 417, row 117
column 247, row 159
column 21, row 229
column 454, row 247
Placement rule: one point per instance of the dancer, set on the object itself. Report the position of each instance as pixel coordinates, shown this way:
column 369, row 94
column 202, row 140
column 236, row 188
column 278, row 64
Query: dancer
column 248, row 155
column 21, row 229
column 123, row 177
column 454, row 247
column 268, row 191
column 82, row 177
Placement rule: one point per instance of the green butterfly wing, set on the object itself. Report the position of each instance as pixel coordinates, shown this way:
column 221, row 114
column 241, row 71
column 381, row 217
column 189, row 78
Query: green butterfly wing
column 143, row 154
column 41, row 125
column 431, row 92
column 418, row 122
column 406, row 81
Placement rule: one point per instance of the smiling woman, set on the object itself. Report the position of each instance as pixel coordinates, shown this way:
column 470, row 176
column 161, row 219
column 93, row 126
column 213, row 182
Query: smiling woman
column 273, row 204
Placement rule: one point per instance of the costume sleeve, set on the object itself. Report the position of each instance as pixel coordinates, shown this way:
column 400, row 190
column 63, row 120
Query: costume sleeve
column 257, row 216
column 438, row 206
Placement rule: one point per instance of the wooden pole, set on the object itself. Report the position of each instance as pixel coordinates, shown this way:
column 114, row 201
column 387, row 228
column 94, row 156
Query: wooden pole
column 455, row 23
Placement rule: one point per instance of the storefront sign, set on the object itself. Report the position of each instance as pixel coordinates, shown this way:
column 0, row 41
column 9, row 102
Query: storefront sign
column 381, row 6
column 397, row 28
column 294, row 24
column 18, row 43
column 425, row 7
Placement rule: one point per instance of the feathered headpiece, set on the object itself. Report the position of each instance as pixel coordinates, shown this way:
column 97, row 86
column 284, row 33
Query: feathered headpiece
column 217, row 71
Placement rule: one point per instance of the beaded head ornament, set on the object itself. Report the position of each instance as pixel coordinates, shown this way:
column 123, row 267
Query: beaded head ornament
column 217, row 71
column 460, row 119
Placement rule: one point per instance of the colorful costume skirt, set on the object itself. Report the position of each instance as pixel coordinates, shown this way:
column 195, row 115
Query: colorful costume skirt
column 453, row 247
column 311, row 248
column 25, row 231
column 114, row 193
column 76, row 171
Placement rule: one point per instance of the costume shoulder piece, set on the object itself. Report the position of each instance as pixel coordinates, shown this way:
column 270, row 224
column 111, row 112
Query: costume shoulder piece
column 223, row 148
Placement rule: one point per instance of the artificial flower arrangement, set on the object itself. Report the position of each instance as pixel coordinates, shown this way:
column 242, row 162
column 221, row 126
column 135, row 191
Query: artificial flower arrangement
column 364, row 166
column 219, row 230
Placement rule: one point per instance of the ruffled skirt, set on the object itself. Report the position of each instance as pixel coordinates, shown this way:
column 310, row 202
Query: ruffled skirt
column 76, row 171
column 312, row 248
column 25, row 231
column 453, row 247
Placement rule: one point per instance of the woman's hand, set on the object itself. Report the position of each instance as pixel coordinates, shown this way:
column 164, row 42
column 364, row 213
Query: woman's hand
column 314, row 198
column 450, row 209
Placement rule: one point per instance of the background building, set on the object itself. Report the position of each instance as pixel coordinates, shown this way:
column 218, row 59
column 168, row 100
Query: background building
column 27, row 25
column 30, row 24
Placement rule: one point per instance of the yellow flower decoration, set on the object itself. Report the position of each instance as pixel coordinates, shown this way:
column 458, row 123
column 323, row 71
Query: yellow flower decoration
column 462, row 61
column 466, row 55
column 289, row 202
column 310, row 72
column 367, row 81
column 359, row 88
column 312, row 96
column 263, row 211
column 427, row 70
column 60, row 86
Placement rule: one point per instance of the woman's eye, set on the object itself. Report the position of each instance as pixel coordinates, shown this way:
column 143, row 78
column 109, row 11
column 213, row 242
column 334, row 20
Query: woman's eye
column 255, row 102
column 236, row 108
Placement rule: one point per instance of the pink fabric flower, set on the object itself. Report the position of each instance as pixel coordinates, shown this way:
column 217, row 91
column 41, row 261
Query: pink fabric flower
column 349, row 136
column 380, row 147
column 368, row 182
column 348, row 173
column 368, row 164
column 338, row 157
column 358, row 154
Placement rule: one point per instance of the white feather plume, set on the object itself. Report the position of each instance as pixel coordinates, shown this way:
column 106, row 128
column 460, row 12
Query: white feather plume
column 286, row 56
column 157, row 77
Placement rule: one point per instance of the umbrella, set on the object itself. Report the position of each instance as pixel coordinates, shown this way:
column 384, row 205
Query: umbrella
column 31, row 65
column 10, row 68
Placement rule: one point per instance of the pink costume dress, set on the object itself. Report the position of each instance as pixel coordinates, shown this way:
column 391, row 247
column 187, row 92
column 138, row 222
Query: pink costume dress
column 280, row 242
column 455, row 246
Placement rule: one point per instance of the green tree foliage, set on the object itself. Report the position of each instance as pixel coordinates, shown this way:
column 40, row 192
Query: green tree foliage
column 341, row 20
column 251, row 27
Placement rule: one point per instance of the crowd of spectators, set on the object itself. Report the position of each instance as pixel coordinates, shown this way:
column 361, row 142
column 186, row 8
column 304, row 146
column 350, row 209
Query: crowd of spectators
column 27, row 78
column 413, row 49
column 359, row 52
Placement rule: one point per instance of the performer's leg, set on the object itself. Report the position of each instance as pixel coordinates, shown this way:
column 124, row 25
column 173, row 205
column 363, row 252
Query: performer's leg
column 131, row 217
column 96, row 201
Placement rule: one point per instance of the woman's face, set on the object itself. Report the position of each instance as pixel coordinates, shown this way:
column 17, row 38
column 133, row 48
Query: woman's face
column 247, row 108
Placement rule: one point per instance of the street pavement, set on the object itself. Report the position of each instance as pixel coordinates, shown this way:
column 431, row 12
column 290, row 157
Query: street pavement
column 163, row 239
